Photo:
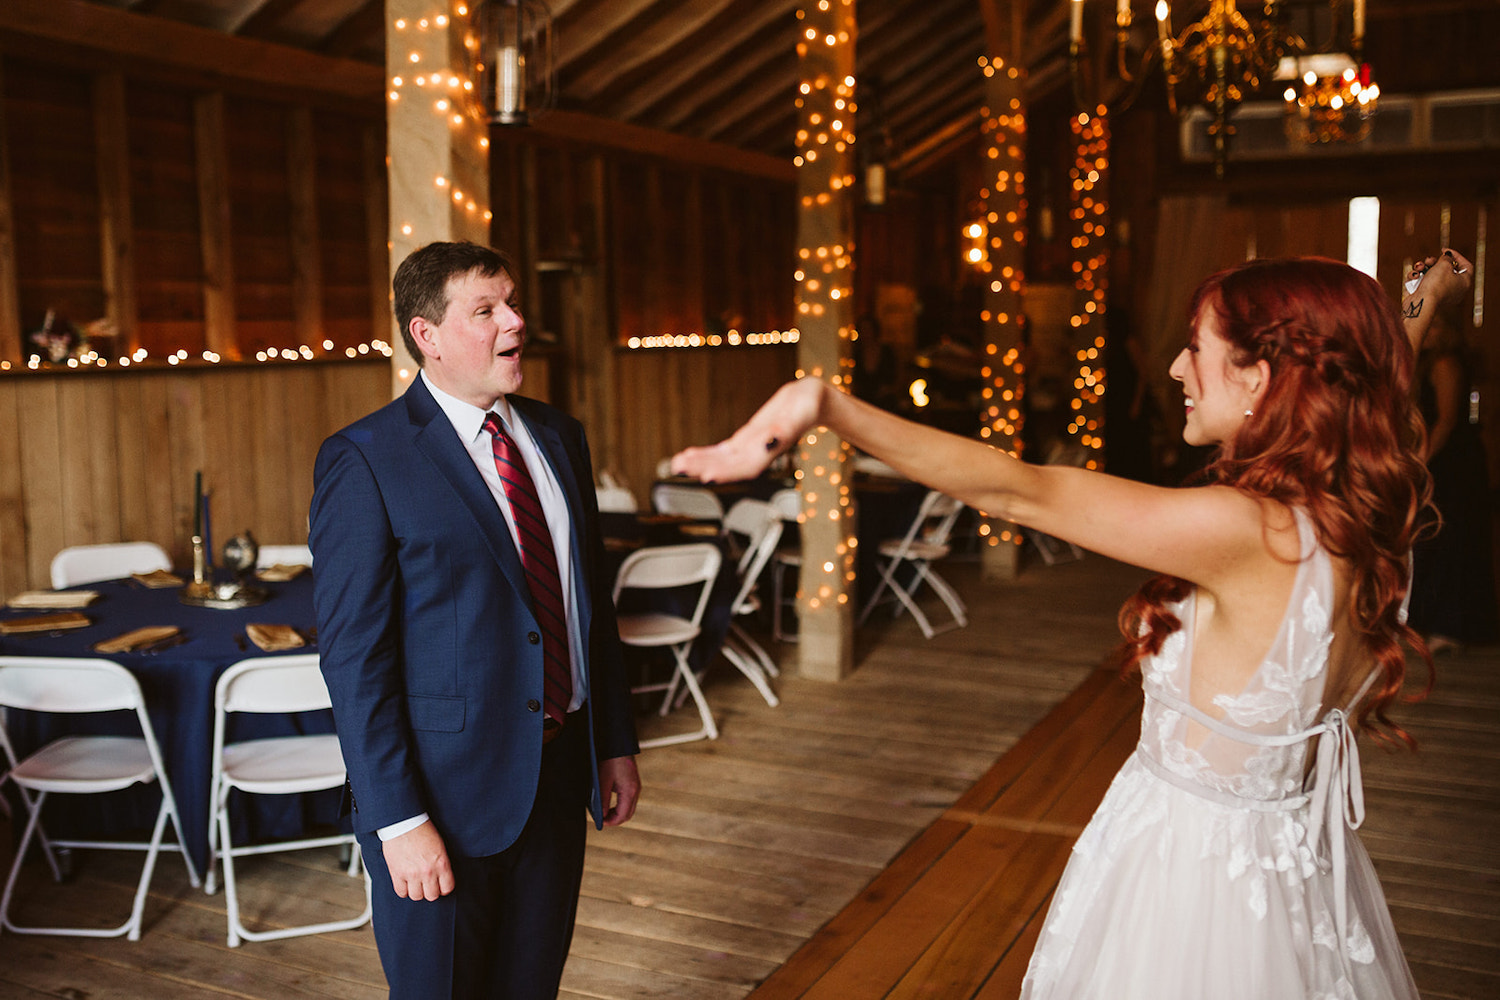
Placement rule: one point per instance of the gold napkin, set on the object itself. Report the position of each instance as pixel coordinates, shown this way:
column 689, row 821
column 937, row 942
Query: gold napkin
column 136, row 638
column 281, row 572
column 662, row 518
column 42, row 599
column 700, row 530
column 158, row 579
column 275, row 638
column 44, row 623
column 622, row 544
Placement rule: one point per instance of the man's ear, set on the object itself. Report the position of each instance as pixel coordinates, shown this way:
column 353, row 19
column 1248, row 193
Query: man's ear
column 423, row 333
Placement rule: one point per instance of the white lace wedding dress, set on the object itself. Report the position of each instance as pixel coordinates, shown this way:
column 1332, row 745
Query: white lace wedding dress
column 1209, row 871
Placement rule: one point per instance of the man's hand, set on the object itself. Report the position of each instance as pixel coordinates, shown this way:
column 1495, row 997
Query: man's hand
column 418, row 863
column 620, row 787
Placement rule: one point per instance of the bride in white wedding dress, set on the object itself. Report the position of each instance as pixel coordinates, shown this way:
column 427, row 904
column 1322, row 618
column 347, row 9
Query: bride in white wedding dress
column 1222, row 863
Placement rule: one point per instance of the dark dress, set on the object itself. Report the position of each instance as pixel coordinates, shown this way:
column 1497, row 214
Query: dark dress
column 1453, row 585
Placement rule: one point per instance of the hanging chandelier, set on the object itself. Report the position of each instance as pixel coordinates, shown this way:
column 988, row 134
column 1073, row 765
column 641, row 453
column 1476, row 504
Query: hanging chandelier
column 513, row 56
column 1224, row 54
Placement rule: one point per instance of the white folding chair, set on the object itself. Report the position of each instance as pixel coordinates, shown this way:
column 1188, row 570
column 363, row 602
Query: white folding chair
column 80, row 564
column 925, row 542
column 614, row 496
column 278, row 765
column 762, row 525
column 660, row 568
column 788, row 557
column 283, row 555
column 85, row 765
column 689, row 501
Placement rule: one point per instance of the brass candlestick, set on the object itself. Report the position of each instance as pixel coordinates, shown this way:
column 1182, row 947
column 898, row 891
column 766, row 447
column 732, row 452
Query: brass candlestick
column 200, row 586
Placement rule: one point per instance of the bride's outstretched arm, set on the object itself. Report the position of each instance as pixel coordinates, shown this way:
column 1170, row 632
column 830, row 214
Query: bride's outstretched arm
column 1200, row 534
column 969, row 470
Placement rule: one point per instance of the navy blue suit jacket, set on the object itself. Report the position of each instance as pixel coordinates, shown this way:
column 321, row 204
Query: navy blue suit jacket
column 426, row 630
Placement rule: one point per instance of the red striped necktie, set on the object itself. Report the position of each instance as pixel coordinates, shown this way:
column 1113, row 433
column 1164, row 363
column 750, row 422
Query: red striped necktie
column 539, row 560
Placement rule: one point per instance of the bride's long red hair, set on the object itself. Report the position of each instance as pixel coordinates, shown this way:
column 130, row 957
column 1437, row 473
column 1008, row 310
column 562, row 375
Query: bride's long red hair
column 1337, row 434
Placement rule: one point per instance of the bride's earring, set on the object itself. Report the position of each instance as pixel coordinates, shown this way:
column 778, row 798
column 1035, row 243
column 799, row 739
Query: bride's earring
column 1249, row 413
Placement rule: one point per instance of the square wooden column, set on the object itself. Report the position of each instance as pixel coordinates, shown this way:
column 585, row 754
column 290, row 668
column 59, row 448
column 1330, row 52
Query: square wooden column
column 825, row 237
column 437, row 138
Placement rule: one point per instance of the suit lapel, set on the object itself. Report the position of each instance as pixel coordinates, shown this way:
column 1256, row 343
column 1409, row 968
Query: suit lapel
column 435, row 439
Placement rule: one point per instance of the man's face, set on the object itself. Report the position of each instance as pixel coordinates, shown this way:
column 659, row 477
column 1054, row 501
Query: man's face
column 474, row 353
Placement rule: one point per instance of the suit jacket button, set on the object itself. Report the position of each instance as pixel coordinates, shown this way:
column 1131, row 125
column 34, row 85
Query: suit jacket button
column 532, row 705
column 533, row 638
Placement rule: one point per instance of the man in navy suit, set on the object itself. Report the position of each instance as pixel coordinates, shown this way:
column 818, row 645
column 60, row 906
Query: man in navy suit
column 469, row 643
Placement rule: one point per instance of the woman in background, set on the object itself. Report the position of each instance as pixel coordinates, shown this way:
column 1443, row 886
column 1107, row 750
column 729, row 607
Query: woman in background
column 1221, row 862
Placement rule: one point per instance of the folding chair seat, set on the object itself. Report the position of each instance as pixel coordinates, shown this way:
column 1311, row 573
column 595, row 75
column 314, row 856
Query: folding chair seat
column 272, row 766
column 688, row 501
column 283, row 555
column 614, row 496
column 667, row 567
column 924, row 543
column 84, row 765
column 80, row 564
column 787, row 558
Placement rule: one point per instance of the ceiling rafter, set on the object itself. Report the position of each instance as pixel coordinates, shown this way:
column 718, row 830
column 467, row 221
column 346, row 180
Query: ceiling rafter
column 662, row 41
column 750, row 62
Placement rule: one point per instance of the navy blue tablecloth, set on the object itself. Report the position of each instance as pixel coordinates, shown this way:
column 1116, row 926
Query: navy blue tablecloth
column 178, row 684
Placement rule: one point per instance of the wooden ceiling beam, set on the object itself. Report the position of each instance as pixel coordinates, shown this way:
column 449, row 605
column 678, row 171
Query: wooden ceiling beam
column 575, row 35
column 649, row 85
column 658, row 42
column 261, row 19
column 159, row 42
column 776, row 84
column 772, row 47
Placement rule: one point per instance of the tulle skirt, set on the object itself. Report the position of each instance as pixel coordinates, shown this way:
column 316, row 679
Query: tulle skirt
column 1171, row 896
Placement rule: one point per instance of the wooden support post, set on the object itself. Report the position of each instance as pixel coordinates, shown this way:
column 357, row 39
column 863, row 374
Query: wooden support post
column 1088, row 218
column 116, row 231
column 1005, row 230
column 437, row 143
column 214, row 226
column 10, row 299
column 307, row 267
column 825, row 307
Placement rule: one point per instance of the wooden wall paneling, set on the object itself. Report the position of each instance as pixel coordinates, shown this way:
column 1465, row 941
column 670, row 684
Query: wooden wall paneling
column 630, row 228
column 232, row 412
column 377, row 224
column 10, row 303
column 13, row 564
column 145, row 467
column 261, row 239
column 41, row 474
column 116, row 228
column 88, row 460
column 306, row 262
column 271, row 458
column 187, row 448
column 214, row 225
column 307, row 424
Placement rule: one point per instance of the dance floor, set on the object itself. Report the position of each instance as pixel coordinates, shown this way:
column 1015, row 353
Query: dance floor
column 896, row 834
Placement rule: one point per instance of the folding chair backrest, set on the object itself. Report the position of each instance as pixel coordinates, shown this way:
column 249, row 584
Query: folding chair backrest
column 58, row 684
column 614, row 498
column 745, row 526
column 283, row 555
column 934, row 520
column 762, row 547
column 689, row 501
column 80, row 564
column 273, row 684
column 788, row 503
column 663, row 567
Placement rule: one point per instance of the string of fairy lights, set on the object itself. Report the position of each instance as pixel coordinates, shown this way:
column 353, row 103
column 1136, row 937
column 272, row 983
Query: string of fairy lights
column 1003, row 236
column 1089, row 215
column 824, row 276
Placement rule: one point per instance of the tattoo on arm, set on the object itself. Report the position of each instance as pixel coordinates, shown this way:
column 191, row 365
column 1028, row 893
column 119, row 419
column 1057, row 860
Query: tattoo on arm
column 1413, row 308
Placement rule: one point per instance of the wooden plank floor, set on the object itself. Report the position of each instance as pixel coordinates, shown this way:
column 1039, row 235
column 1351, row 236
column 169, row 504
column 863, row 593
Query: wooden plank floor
column 893, row 835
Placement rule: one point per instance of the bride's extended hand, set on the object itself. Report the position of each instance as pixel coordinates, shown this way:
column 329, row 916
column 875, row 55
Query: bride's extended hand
column 776, row 426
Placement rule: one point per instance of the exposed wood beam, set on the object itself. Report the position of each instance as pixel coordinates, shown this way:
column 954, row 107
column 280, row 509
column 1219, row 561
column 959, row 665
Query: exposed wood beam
column 160, row 42
column 644, row 46
column 116, row 231
column 587, row 129
column 214, row 225
column 650, row 85
column 915, row 86
column 307, row 266
column 878, row 45
column 575, row 36
column 778, row 84
column 261, row 18
column 748, row 62
column 917, row 156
